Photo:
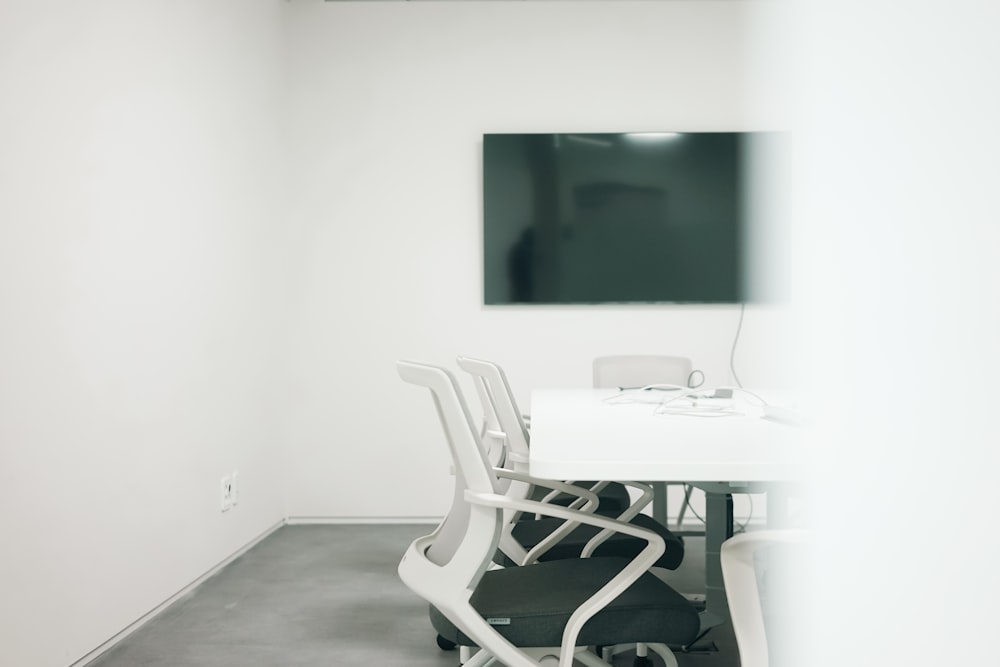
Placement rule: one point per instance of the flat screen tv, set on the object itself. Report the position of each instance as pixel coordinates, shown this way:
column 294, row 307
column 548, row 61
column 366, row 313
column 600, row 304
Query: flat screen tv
column 615, row 218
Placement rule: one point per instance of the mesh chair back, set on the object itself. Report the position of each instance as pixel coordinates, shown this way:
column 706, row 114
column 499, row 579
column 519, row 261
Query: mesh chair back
column 500, row 401
column 639, row 370
column 472, row 468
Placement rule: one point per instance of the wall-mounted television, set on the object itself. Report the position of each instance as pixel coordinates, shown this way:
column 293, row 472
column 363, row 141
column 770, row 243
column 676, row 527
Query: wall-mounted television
column 647, row 217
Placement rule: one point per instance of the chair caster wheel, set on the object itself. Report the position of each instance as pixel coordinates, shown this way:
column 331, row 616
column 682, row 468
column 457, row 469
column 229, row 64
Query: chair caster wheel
column 444, row 644
column 642, row 661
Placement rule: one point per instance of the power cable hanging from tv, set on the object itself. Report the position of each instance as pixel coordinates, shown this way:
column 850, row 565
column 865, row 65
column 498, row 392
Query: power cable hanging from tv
column 732, row 352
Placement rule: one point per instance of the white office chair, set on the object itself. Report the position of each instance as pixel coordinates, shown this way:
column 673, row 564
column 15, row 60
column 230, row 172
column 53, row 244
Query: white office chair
column 747, row 601
column 506, row 434
column 528, row 541
column 632, row 371
column 504, row 423
column 639, row 370
column 545, row 613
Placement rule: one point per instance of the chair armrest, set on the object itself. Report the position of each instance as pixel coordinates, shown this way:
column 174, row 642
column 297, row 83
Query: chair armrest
column 641, row 563
column 630, row 513
column 585, row 496
column 646, row 496
column 634, row 507
column 640, row 503
column 590, row 503
column 549, row 497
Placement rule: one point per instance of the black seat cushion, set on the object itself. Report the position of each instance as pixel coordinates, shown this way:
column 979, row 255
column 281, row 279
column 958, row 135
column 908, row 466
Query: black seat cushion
column 530, row 606
column 614, row 498
column 528, row 533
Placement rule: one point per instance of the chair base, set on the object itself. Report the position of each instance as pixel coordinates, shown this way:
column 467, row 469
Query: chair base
column 641, row 654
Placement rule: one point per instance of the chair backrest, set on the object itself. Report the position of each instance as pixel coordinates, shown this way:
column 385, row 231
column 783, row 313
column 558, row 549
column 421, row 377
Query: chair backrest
column 639, row 370
column 504, row 426
column 441, row 570
column 739, row 561
column 491, row 434
column 450, row 583
column 472, row 469
column 501, row 407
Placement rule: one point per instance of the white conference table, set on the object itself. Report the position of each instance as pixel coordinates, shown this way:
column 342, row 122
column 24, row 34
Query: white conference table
column 609, row 434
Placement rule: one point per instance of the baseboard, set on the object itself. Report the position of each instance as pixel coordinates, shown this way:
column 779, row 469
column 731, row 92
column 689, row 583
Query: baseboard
column 358, row 520
column 148, row 616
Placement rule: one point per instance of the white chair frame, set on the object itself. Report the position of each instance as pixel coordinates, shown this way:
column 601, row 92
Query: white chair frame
column 448, row 581
column 740, row 576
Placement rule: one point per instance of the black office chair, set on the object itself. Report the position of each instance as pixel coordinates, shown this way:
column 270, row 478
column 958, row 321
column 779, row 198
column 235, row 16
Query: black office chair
column 521, row 615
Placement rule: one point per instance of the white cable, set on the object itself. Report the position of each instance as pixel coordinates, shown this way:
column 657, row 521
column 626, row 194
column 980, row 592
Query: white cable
column 693, row 410
column 701, row 412
column 634, row 394
column 732, row 352
column 667, row 387
column 696, row 410
column 663, row 406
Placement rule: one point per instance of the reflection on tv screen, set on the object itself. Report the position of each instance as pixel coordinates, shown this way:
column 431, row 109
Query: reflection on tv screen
column 609, row 218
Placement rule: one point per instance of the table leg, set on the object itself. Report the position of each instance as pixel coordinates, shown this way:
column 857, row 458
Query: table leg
column 718, row 529
column 660, row 501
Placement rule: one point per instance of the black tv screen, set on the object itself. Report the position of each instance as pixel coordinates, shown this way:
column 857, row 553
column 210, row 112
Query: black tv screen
column 614, row 218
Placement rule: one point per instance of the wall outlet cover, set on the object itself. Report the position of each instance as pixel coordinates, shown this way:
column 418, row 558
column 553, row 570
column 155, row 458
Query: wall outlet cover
column 226, row 493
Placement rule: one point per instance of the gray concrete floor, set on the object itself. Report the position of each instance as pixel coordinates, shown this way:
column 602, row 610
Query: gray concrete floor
column 327, row 595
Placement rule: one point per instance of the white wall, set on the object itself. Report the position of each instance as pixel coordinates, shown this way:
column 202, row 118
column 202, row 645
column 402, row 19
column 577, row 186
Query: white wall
column 150, row 219
column 139, row 263
column 143, row 237
column 388, row 105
